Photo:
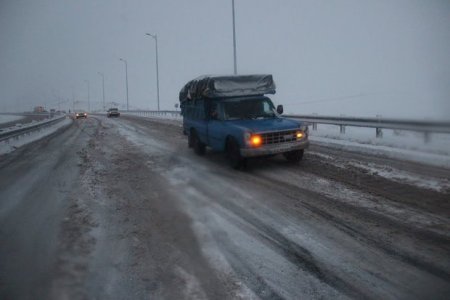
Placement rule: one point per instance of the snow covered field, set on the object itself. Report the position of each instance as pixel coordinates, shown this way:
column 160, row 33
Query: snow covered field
column 437, row 144
column 402, row 145
column 9, row 118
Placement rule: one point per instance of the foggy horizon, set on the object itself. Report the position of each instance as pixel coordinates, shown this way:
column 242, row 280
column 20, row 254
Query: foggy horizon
column 388, row 58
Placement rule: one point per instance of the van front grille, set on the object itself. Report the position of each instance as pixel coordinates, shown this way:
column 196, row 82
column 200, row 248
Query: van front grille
column 279, row 137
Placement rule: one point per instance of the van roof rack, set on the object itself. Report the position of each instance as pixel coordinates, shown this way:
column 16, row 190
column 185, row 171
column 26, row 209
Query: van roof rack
column 223, row 86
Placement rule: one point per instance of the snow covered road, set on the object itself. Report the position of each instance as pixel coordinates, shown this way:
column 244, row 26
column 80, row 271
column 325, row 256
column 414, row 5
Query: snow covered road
column 122, row 209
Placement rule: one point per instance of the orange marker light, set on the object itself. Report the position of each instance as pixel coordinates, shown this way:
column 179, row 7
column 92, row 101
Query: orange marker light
column 256, row 140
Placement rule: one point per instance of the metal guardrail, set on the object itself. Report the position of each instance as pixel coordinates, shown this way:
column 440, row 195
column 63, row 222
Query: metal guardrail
column 16, row 133
column 399, row 124
column 425, row 126
column 162, row 113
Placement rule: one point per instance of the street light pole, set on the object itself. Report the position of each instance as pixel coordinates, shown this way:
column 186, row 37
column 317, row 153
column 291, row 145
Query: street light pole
column 89, row 97
column 234, row 40
column 157, row 69
column 103, row 87
column 73, row 100
column 126, row 78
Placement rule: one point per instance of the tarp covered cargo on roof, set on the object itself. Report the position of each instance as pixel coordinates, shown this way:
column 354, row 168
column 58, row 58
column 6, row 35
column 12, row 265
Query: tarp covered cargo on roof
column 227, row 86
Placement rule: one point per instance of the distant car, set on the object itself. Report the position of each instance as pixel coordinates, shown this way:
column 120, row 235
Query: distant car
column 79, row 115
column 113, row 112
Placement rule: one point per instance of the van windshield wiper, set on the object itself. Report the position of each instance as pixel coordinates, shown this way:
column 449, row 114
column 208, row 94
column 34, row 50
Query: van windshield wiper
column 266, row 116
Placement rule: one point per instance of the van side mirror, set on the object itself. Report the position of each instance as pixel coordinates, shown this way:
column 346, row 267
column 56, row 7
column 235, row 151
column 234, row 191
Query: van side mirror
column 280, row 109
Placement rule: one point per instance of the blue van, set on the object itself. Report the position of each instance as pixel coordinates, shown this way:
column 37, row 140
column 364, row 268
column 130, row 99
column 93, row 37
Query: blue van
column 231, row 114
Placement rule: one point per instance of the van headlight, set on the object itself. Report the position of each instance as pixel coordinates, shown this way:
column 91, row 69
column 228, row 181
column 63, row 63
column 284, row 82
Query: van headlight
column 252, row 139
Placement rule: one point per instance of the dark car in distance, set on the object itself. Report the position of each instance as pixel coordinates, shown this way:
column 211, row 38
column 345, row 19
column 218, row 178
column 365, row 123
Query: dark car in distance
column 113, row 112
column 79, row 115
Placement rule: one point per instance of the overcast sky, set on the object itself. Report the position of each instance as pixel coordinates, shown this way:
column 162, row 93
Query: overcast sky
column 351, row 57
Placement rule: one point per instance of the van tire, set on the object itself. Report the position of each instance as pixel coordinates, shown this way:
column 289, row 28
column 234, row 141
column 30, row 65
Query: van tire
column 190, row 139
column 199, row 147
column 234, row 157
column 294, row 156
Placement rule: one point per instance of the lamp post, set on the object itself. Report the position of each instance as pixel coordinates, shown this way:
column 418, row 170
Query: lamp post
column 234, row 40
column 126, row 77
column 103, row 87
column 157, row 71
column 73, row 100
column 89, row 97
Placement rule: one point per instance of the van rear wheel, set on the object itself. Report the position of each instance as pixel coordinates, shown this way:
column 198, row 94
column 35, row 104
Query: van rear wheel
column 190, row 139
column 199, row 147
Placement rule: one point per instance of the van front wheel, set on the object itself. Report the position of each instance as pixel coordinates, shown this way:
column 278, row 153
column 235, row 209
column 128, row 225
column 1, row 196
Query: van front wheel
column 294, row 156
column 234, row 157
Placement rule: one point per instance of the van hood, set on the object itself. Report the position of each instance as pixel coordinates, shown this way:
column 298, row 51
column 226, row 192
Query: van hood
column 261, row 125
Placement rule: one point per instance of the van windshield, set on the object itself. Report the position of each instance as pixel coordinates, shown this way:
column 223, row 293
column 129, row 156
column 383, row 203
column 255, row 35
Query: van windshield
column 258, row 108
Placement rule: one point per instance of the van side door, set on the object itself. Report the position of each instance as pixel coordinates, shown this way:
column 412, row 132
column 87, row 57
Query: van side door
column 200, row 120
column 217, row 129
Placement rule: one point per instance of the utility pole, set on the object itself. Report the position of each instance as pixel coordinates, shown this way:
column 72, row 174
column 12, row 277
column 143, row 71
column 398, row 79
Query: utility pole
column 103, row 87
column 126, row 77
column 157, row 69
column 73, row 100
column 89, row 96
column 234, row 40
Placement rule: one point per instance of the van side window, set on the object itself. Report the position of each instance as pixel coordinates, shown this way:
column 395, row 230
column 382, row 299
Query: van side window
column 214, row 110
column 194, row 109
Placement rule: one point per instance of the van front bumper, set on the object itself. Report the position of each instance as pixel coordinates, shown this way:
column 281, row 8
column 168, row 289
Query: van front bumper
column 272, row 149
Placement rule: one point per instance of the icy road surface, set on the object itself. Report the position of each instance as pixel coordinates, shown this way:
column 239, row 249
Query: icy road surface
column 122, row 209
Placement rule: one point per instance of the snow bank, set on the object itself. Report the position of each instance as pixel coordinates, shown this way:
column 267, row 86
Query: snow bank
column 13, row 144
column 402, row 145
column 438, row 143
column 9, row 118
